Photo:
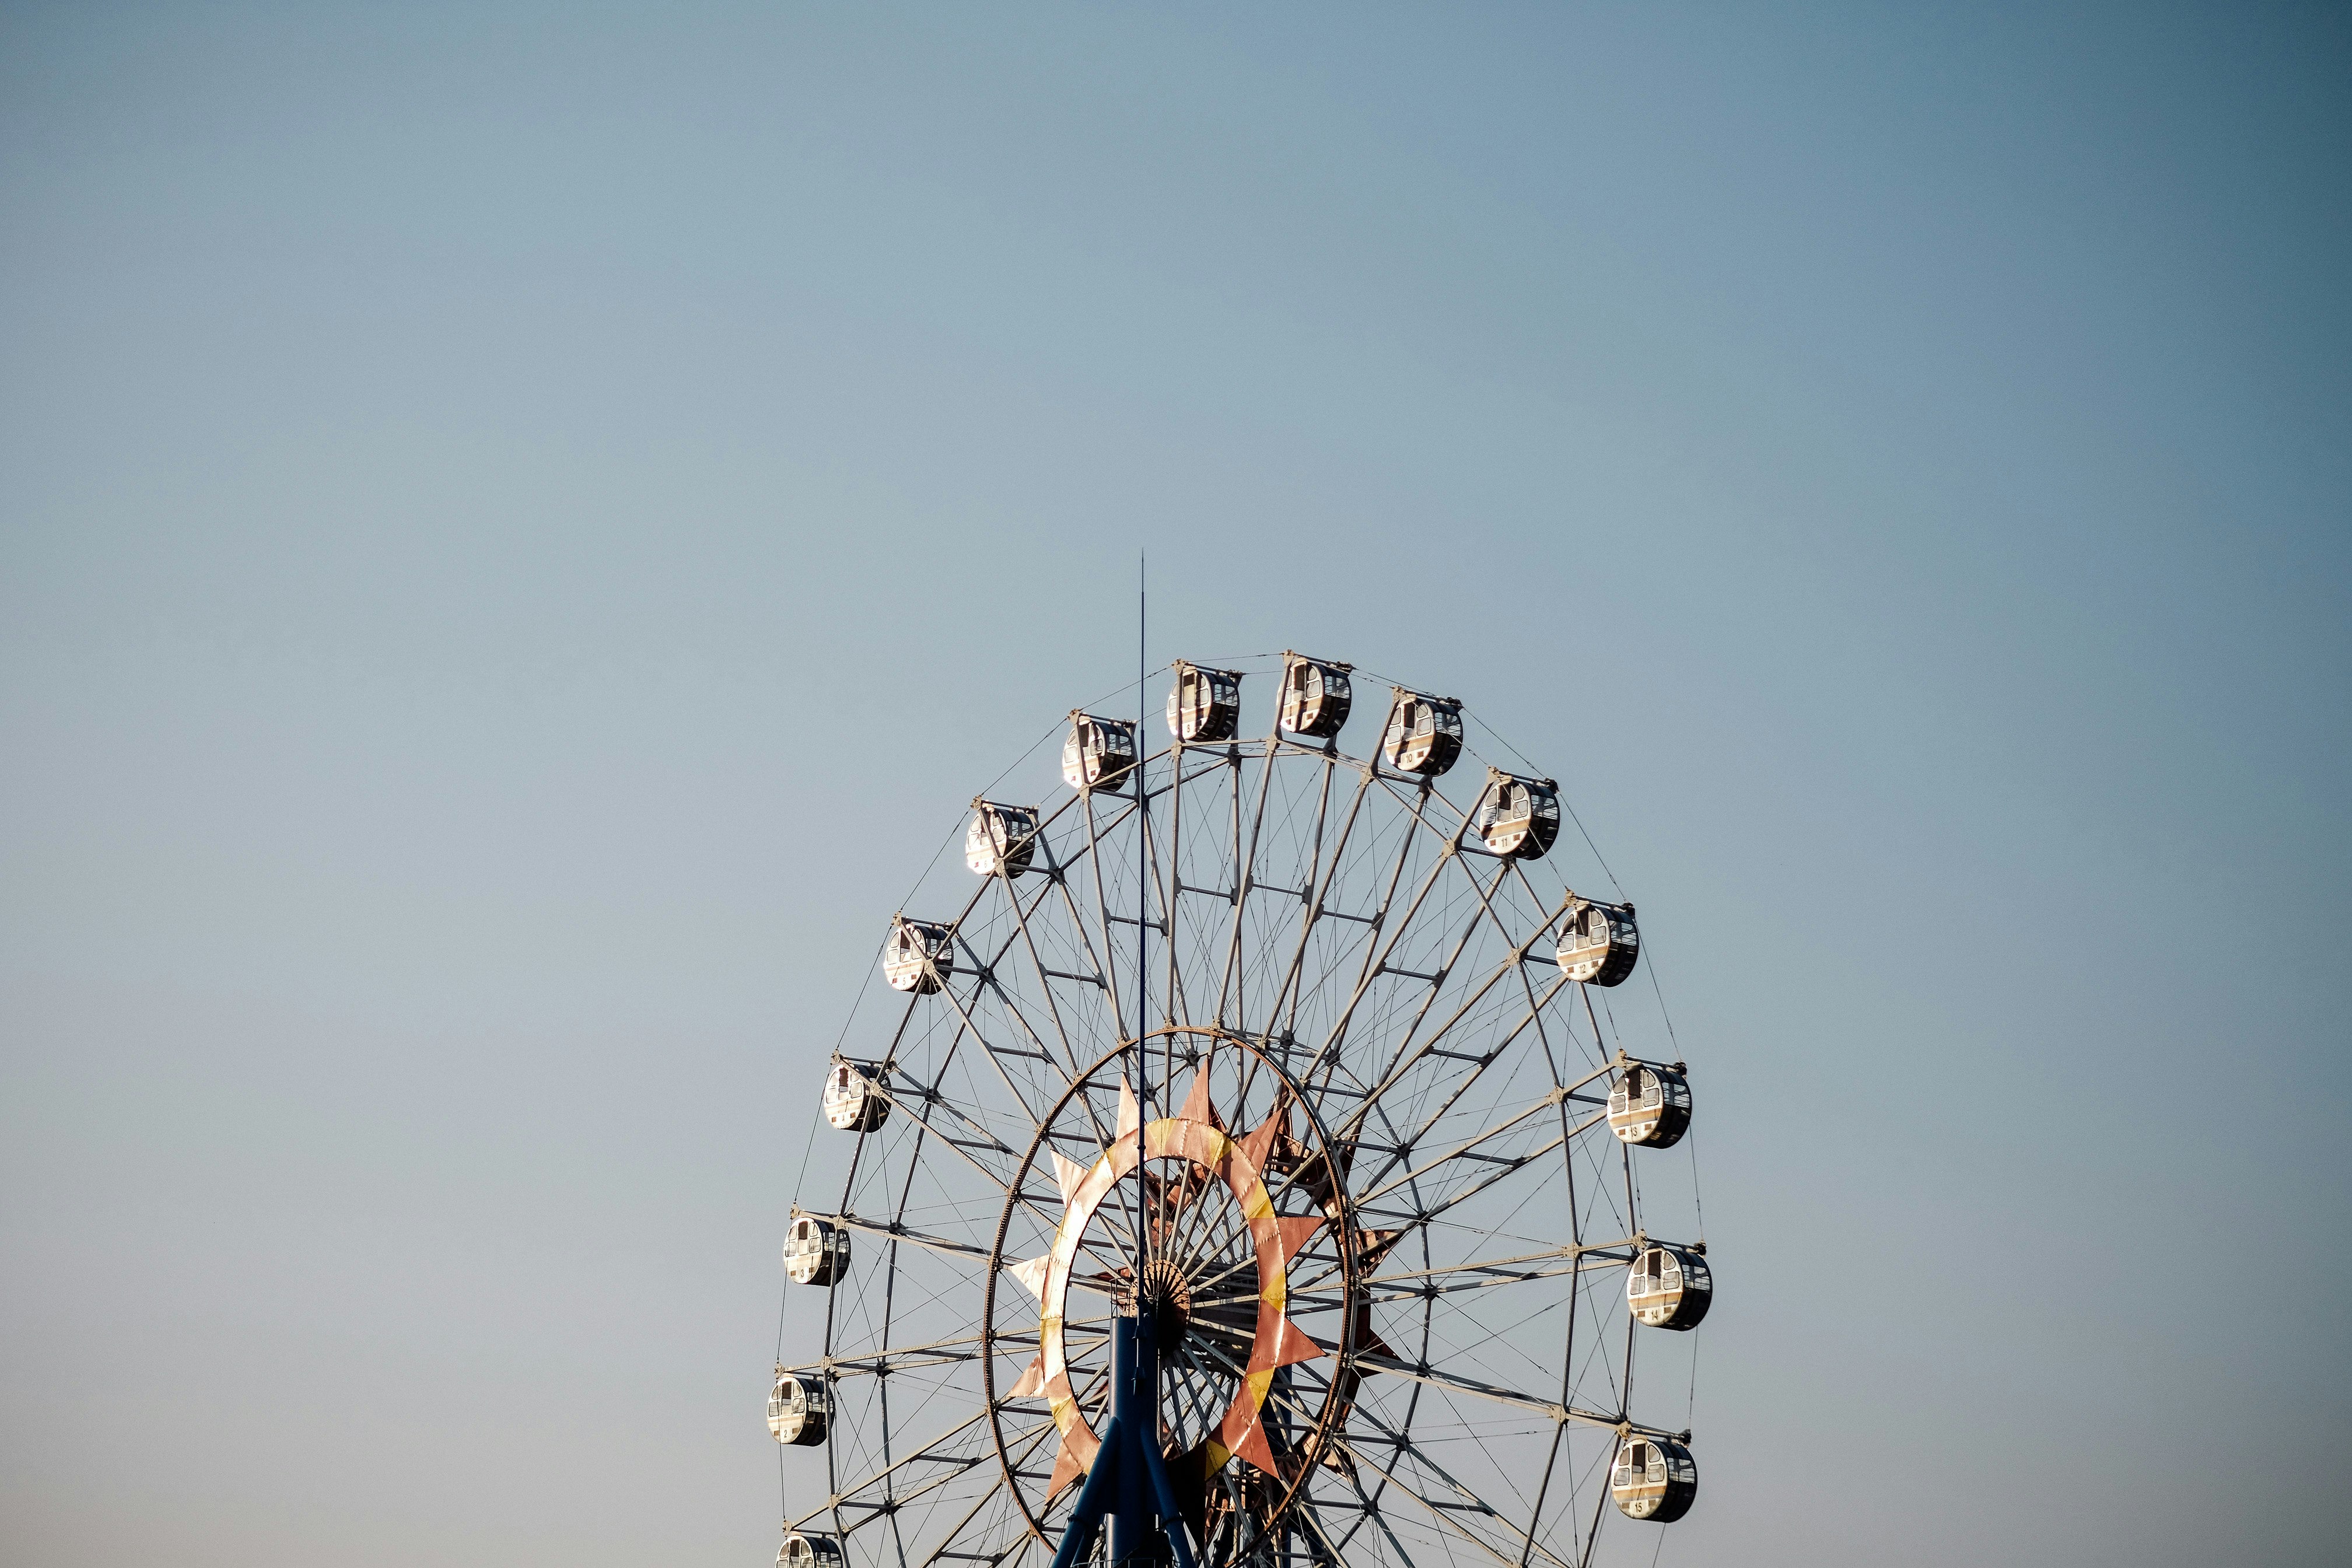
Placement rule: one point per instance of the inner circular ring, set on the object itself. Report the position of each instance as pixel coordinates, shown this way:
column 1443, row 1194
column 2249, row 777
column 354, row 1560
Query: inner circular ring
column 1217, row 1301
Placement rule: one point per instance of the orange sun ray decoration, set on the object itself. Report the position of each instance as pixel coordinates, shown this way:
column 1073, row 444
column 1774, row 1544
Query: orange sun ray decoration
column 1197, row 1135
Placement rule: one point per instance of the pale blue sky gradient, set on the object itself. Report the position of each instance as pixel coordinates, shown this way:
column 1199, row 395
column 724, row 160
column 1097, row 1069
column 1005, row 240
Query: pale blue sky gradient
column 525, row 525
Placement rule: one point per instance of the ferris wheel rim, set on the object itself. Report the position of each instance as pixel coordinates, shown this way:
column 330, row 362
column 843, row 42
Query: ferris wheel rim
column 986, row 938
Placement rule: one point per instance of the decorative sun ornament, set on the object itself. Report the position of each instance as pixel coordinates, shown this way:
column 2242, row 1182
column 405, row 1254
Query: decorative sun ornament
column 1195, row 1136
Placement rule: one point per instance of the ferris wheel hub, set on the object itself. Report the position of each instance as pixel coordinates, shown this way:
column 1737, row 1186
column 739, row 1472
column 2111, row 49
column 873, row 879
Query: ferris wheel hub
column 1166, row 1295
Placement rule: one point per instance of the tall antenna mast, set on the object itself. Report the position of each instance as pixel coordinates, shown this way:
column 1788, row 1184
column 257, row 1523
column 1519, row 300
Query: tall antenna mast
column 1128, row 1484
column 1143, row 911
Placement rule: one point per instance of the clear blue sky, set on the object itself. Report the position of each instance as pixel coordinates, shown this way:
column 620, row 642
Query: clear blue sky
column 525, row 525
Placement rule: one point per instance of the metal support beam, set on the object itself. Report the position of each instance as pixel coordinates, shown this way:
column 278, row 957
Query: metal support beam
column 1128, row 1485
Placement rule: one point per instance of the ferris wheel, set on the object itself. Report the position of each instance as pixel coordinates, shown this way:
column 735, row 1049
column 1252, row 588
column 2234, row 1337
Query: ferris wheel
column 1252, row 1161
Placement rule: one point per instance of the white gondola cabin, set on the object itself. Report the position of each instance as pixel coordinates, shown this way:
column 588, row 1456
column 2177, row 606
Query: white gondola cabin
column 1669, row 1287
column 1100, row 753
column 816, row 1251
column 1518, row 817
column 1205, row 704
column 917, row 957
column 809, row 1552
column 854, row 1101
column 1424, row 733
column 1650, row 1106
column 797, row 1407
column 1315, row 696
column 1598, row 943
column 1000, row 839
column 1653, row 1479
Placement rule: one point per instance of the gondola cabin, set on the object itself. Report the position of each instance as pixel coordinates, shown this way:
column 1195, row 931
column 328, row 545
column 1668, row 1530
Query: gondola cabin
column 1653, row 1479
column 809, row 1552
column 1424, row 733
column 815, row 1252
column 1669, row 1287
column 1599, row 944
column 1650, row 1106
column 1100, row 753
column 1000, row 839
column 797, row 1407
column 918, row 956
column 854, row 1101
column 1315, row 696
column 1518, row 817
column 1205, row 704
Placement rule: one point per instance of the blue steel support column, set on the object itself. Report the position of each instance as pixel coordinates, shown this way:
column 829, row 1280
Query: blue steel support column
column 1133, row 1374
column 1128, row 1484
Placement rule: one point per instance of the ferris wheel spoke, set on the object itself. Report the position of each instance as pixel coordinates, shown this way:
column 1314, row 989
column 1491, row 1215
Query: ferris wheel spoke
column 1207, row 1216
column 855, row 1496
column 1376, row 955
column 958, row 1147
column 965, row 1028
column 1460, row 1084
column 1303, row 893
column 1491, row 1273
column 1321, row 1546
column 1503, row 1168
column 1104, row 962
column 1070, row 1064
column 1370, row 1509
column 983, row 967
column 1223, row 770
column 1452, row 959
column 894, row 1231
column 1406, row 1057
column 1188, row 1200
column 1289, row 992
column 1567, row 902
column 894, row 1506
column 995, row 1052
column 1244, row 867
column 1520, row 953
column 944, row 1551
column 1066, row 1065
column 1373, row 923
column 1455, row 1383
column 1500, row 1167
column 1227, row 766
column 1543, row 1493
column 1468, row 1148
column 985, row 964
column 1160, row 874
column 1244, row 1257
column 1405, row 1285
column 1172, row 895
column 1447, row 1513
column 983, row 1136
column 1198, row 1396
column 1377, row 952
column 1429, row 1122
column 1093, row 854
column 1101, row 969
column 1228, row 1256
column 902, row 1358
column 1225, row 1363
column 988, row 983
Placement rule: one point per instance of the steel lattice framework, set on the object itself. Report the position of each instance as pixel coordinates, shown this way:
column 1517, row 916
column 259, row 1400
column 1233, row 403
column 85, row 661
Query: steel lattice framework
column 1358, row 1169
